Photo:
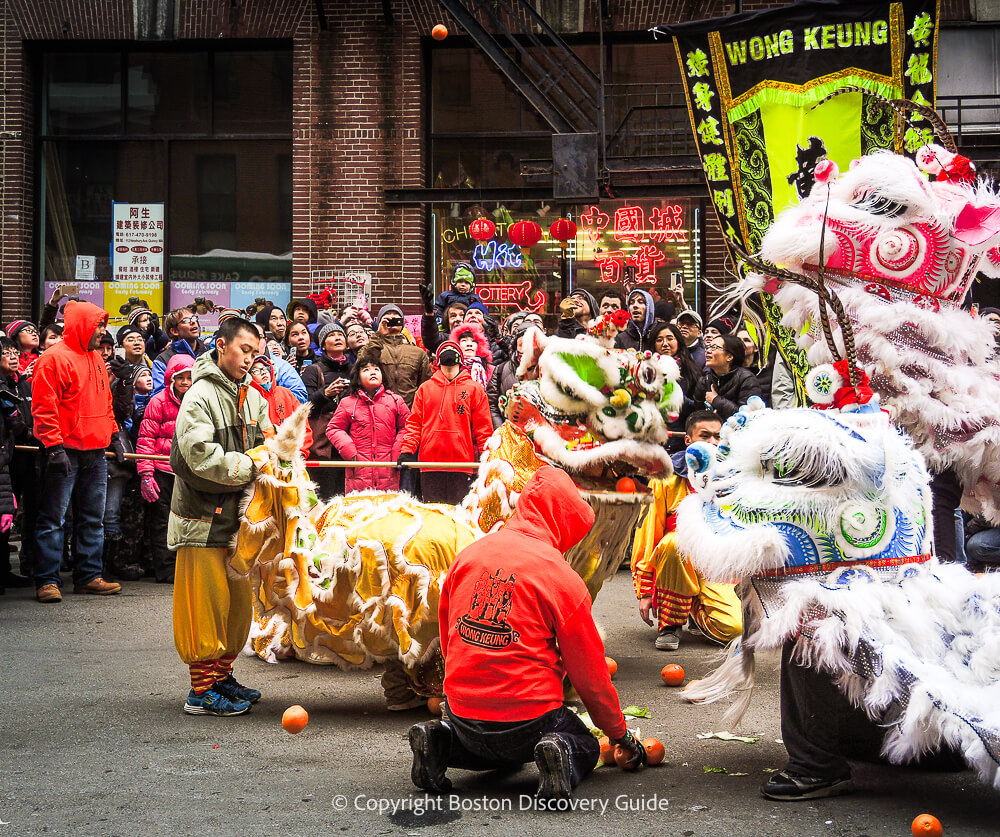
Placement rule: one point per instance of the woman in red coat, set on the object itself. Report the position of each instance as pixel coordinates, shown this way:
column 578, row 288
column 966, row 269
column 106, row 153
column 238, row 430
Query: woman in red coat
column 281, row 402
column 368, row 426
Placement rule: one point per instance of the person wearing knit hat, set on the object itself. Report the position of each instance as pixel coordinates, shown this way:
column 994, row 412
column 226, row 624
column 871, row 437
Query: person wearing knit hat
column 450, row 422
column 719, row 326
column 24, row 333
column 228, row 314
column 107, row 346
column 302, row 309
column 149, row 324
column 326, row 331
column 274, row 321
column 132, row 341
column 463, row 283
column 385, row 311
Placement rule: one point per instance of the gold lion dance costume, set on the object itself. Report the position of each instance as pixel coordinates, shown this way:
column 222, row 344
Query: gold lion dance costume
column 357, row 581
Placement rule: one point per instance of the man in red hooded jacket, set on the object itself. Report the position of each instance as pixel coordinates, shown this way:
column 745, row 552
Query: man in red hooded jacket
column 515, row 618
column 74, row 421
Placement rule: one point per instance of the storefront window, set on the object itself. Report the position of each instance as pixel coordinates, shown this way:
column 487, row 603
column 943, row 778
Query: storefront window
column 194, row 131
column 620, row 245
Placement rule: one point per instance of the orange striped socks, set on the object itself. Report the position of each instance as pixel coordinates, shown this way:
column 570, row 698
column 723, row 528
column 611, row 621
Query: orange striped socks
column 202, row 676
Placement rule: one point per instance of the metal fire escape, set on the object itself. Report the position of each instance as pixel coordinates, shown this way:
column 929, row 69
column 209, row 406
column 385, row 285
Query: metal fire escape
column 597, row 128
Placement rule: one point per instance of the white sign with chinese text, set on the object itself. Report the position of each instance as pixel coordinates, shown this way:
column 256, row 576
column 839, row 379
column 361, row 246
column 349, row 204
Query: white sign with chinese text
column 137, row 242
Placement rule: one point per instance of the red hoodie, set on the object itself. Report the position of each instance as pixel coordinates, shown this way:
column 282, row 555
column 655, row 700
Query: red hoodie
column 515, row 617
column 71, row 396
column 447, row 418
column 281, row 403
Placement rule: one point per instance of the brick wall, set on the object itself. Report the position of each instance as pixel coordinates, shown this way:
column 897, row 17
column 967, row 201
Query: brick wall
column 357, row 122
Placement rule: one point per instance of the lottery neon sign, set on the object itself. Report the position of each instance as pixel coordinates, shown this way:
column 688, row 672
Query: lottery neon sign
column 520, row 295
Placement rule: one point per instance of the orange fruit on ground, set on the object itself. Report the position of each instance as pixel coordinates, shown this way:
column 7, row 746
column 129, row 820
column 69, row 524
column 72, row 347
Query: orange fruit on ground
column 655, row 751
column 607, row 750
column 927, row 825
column 294, row 719
column 625, row 485
column 622, row 756
column 439, row 32
column 612, row 666
column 672, row 675
column 434, row 705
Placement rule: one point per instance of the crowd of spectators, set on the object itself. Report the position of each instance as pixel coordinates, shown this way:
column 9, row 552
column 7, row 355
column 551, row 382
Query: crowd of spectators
column 379, row 392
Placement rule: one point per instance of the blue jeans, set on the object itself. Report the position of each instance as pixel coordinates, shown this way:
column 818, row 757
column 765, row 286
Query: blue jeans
column 983, row 551
column 87, row 484
column 113, row 504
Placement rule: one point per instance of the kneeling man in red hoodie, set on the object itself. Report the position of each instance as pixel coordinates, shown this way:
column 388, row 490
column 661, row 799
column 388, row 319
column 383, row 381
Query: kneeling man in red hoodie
column 515, row 618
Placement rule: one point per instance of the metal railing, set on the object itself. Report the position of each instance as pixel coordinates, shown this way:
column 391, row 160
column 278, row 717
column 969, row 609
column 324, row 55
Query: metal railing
column 647, row 120
column 973, row 119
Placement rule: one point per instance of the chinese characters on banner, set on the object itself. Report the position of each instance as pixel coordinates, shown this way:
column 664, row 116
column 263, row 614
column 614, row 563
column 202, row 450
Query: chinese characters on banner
column 137, row 241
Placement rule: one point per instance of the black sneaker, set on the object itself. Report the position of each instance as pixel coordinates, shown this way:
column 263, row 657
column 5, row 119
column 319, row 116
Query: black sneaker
column 790, row 787
column 552, row 758
column 431, row 744
column 231, row 688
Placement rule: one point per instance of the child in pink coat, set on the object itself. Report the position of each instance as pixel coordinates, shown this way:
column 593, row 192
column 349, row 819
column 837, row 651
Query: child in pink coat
column 368, row 426
column 156, row 432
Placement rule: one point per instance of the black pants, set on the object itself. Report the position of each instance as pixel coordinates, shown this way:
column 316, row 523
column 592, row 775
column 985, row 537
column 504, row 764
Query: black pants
column 329, row 482
column 822, row 730
column 445, row 486
column 158, row 515
column 492, row 745
column 25, row 474
column 946, row 493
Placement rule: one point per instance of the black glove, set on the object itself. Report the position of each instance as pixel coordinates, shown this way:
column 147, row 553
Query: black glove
column 57, row 463
column 119, row 367
column 405, row 458
column 427, row 295
column 631, row 743
column 118, row 448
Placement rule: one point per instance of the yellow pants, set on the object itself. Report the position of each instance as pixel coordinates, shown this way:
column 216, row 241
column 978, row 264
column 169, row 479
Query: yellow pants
column 212, row 614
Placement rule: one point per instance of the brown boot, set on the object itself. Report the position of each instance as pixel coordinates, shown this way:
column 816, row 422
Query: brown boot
column 48, row 594
column 98, row 587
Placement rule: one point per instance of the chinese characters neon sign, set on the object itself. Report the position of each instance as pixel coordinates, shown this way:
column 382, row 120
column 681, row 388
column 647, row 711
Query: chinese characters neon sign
column 630, row 226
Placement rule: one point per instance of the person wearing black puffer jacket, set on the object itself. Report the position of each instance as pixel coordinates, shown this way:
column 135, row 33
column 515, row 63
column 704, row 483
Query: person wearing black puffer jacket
column 641, row 314
column 726, row 384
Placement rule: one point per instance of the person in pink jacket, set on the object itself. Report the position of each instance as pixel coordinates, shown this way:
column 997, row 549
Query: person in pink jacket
column 156, row 478
column 368, row 425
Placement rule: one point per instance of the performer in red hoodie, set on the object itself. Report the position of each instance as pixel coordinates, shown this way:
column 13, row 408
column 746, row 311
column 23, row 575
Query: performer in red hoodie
column 515, row 618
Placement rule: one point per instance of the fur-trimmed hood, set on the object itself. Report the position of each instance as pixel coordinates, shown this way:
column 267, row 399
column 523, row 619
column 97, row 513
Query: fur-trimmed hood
column 482, row 341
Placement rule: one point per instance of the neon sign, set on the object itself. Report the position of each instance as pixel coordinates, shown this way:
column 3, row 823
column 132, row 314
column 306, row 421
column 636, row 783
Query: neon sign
column 519, row 295
column 493, row 256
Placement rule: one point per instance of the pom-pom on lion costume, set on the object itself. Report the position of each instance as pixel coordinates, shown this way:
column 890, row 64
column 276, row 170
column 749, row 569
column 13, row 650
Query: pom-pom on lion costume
column 357, row 580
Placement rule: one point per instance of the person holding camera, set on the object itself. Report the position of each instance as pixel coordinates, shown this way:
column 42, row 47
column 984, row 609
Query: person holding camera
column 405, row 364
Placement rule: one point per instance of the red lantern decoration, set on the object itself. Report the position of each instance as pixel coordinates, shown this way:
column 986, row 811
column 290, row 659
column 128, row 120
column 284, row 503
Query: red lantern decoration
column 482, row 229
column 525, row 234
column 563, row 231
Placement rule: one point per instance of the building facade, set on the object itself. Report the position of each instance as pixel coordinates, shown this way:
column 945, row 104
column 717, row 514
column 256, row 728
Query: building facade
column 272, row 148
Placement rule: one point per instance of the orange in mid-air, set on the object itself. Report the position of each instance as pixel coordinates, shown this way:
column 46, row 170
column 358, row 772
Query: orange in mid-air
column 439, row 32
column 625, row 485
column 434, row 705
column 294, row 719
column 672, row 675
column 655, row 751
column 927, row 825
column 607, row 750
column 622, row 757
column 612, row 666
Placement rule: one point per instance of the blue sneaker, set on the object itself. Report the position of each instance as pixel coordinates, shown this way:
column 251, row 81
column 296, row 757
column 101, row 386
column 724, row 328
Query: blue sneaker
column 213, row 702
column 231, row 688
